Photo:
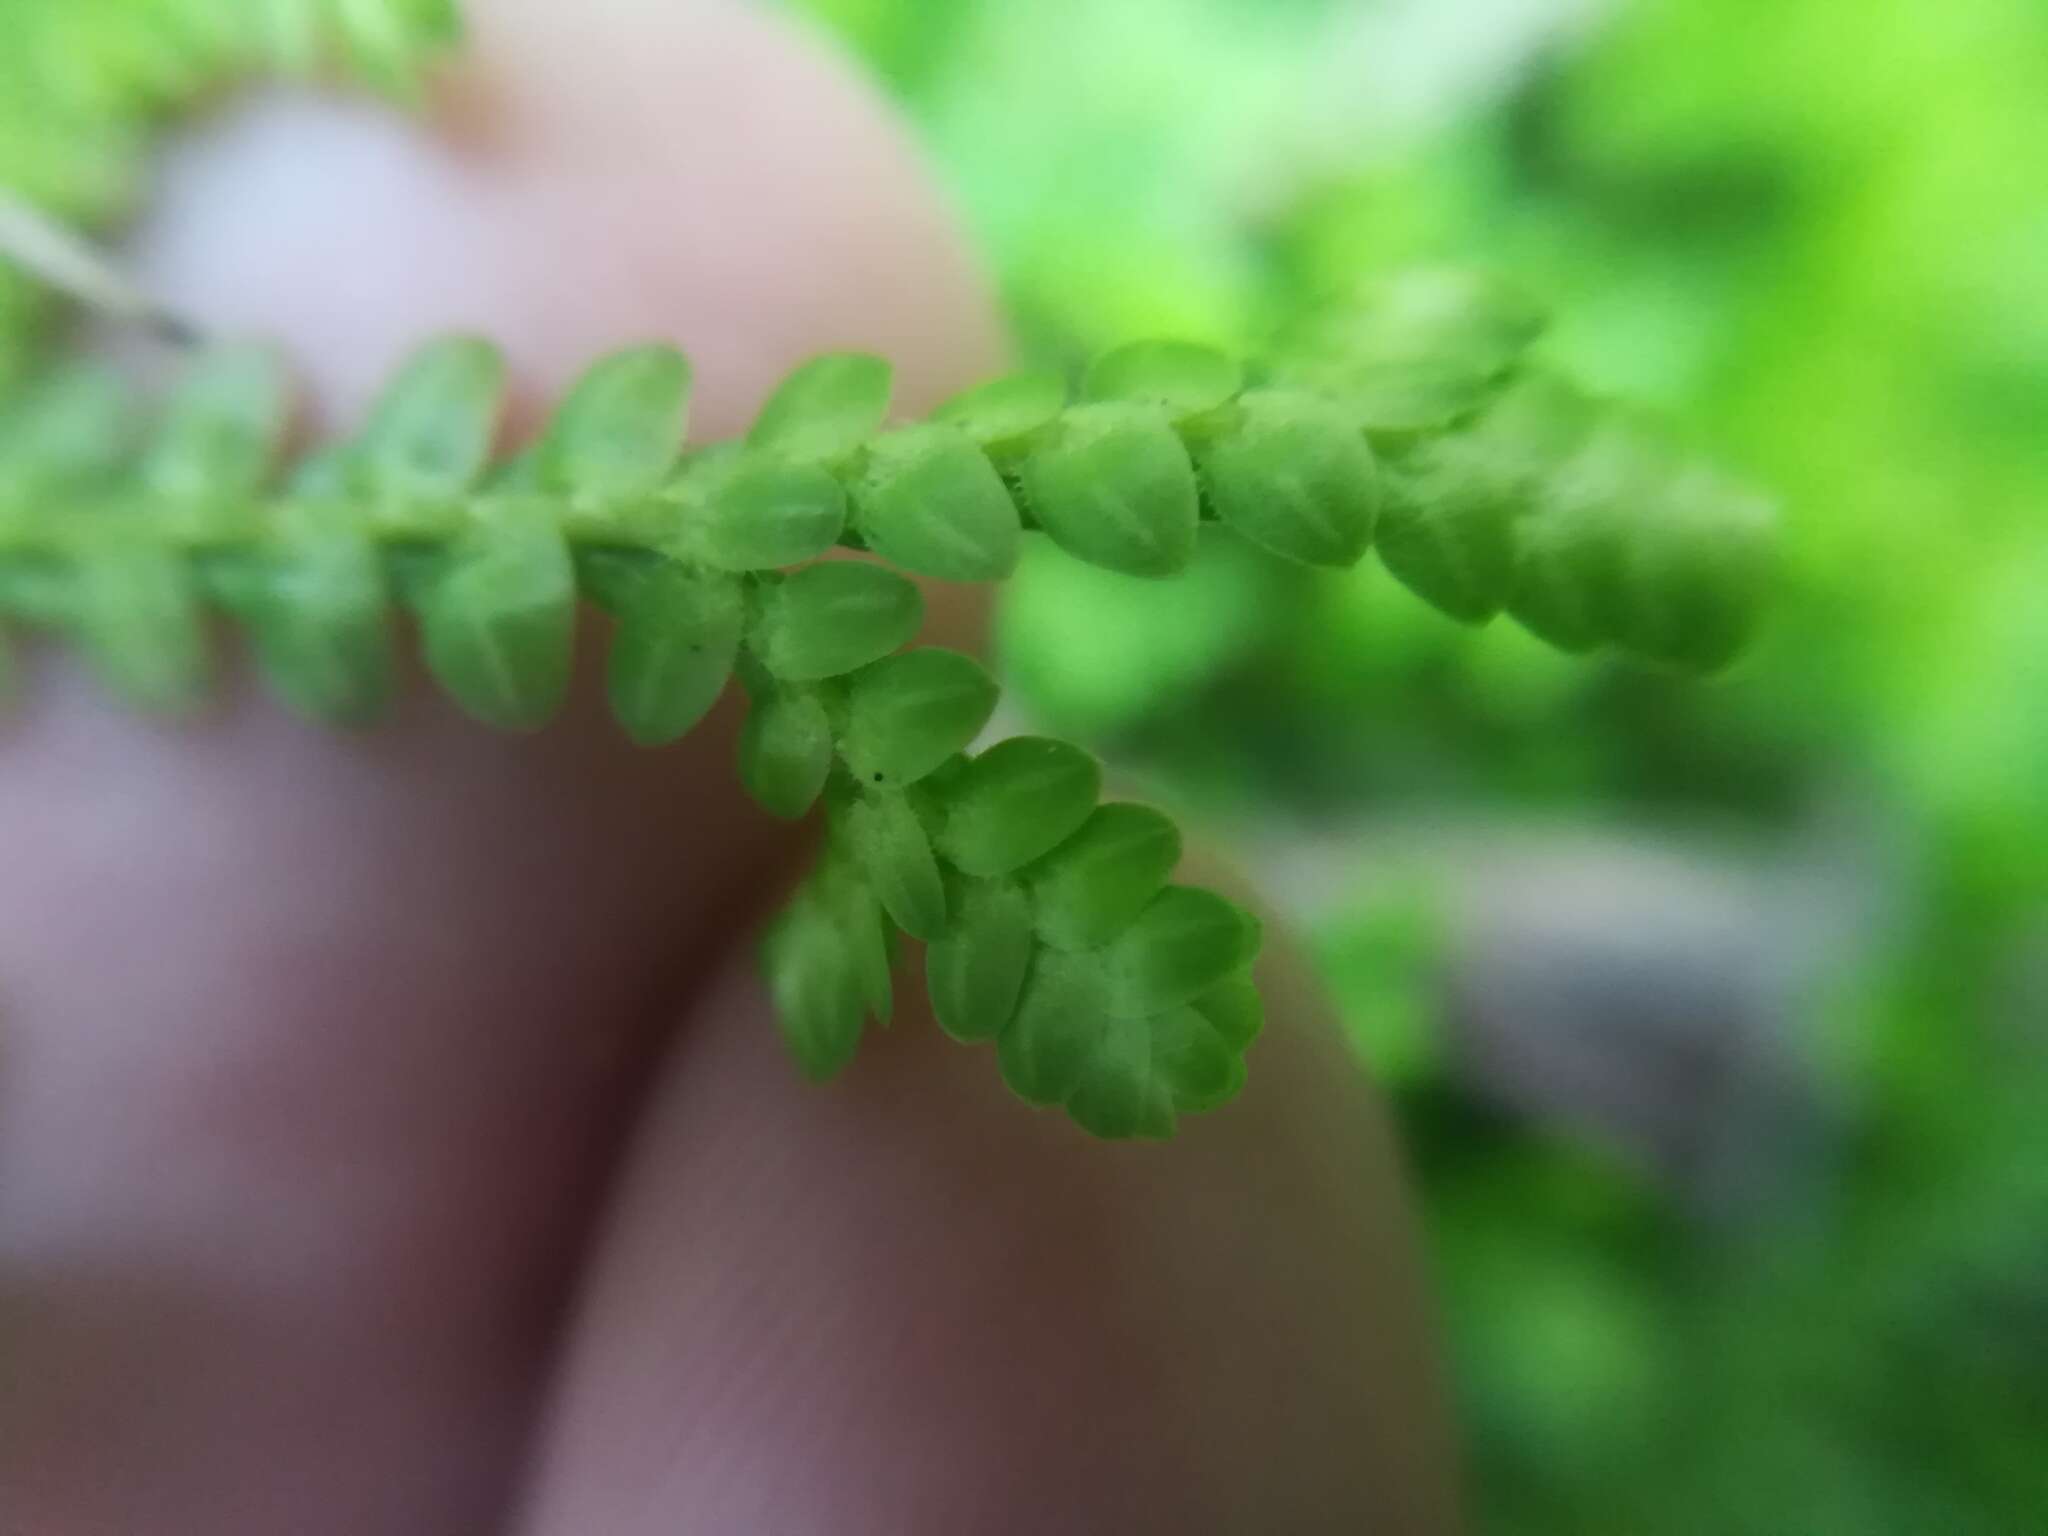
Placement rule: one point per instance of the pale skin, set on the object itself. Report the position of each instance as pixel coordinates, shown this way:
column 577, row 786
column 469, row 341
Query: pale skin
column 394, row 1140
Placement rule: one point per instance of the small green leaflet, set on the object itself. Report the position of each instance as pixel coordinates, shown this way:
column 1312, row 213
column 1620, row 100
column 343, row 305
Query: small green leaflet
column 833, row 618
column 906, row 715
column 320, row 622
column 1452, row 525
column 1047, row 1040
column 1416, row 352
column 137, row 610
column 1183, row 378
column 1016, row 802
column 618, row 431
column 430, row 433
column 1186, row 941
column 1296, row 478
column 1572, row 573
column 1096, row 883
column 890, row 845
column 786, row 751
column 740, row 510
column 678, row 635
column 975, row 973
column 1447, row 532
column 498, row 618
column 65, row 432
column 823, row 957
column 222, row 428
column 1151, row 1026
column 1114, row 487
column 825, row 410
column 1234, row 1009
column 1139, row 1075
column 1119, row 1077
column 929, row 501
column 1700, row 569
column 1002, row 416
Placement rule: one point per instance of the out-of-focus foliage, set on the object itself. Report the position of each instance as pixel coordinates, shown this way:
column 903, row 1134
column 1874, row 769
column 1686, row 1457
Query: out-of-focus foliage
column 85, row 83
column 1815, row 231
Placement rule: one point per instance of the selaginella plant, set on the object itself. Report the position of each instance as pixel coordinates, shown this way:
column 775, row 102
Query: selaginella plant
column 1049, row 921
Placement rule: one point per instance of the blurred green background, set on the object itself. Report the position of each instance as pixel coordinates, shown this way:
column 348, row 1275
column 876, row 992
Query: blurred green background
column 1715, row 1014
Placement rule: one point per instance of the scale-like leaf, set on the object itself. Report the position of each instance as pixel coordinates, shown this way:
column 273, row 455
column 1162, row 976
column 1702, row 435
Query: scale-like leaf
column 1234, row 1009
column 1060, row 1013
column 818, row 981
column 1699, row 571
column 1447, row 530
column 976, row 971
column 498, row 619
column 678, row 635
column 929, row 501
column 1185, row 942
column 1017, row 802
column 619, row 429
column 826, row 409
column 894, row 853
column 221, row 430
column 430, row 433
column 1096, row 883
column 1182, row 377
column 1003, row 415
column 786, row 751
column 1573, row 551
column 1295, row 477
column 833, row 618
column 137, row 609
column 1118, row 1075
column 69, row 430
column 1139, row 1075
column 1417, row 352
column 748, row 511
column 908, row 714
column 321, row 626
column 1114, row 486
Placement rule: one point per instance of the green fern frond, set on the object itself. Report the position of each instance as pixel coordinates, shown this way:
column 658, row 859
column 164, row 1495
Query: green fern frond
column 1050, row 924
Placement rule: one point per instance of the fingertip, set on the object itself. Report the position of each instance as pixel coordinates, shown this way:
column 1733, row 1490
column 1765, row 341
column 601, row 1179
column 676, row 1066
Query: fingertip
column 921, row 1294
